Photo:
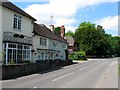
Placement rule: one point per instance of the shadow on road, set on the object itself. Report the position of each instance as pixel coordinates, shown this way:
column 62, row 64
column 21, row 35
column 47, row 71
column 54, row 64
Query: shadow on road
column 55, row 68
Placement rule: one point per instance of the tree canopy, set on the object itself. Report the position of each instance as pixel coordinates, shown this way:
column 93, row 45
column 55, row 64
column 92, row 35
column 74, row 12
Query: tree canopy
column 94, row 41
column 69, row 33
column 57, row 30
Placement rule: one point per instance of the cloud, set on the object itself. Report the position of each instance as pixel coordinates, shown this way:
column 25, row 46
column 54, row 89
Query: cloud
column 70, row 28
column 109, row 23
column 64, row 11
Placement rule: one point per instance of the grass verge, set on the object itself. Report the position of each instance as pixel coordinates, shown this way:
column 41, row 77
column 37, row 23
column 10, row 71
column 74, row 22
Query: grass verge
column 119, row 68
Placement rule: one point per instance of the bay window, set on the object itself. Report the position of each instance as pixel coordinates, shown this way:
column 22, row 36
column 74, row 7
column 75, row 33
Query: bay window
column 16, row 52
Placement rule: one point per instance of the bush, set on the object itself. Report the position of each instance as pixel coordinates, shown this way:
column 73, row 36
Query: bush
column 80, row 56
column 71, row 56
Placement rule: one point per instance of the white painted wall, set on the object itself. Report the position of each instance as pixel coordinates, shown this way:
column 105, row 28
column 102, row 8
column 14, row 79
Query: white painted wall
column 8, row 17
column 62, row 50
column 59, row 47
column 7, row 24
column 36, row 45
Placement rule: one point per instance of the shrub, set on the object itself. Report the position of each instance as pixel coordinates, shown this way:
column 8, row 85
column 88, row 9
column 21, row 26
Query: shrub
column 80, row 56
column 71, row 56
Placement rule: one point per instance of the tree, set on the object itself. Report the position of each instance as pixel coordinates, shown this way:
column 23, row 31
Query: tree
column 92, row 40
column 57, row 30
column 69, row 33
column 115, row 43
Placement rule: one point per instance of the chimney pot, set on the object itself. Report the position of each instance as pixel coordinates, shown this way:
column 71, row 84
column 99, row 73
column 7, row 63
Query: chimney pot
column 52, row 27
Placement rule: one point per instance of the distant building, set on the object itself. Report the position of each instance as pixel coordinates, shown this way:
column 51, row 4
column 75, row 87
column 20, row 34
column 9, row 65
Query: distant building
column 72, row 44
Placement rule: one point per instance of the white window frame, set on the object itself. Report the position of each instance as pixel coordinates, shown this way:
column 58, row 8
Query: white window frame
column 43, row 41
column 40, row 57
column 17, row 25
column 46, row 55
column 7, row 48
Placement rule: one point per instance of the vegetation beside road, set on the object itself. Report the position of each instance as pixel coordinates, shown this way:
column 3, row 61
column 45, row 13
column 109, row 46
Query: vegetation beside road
column 78, row 56
column 119, row 68
column 94, row 41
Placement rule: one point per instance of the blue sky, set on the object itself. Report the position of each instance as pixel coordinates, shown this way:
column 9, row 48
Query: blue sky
column 71, row 14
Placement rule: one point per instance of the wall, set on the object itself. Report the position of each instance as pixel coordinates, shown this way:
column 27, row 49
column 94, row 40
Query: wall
column 58, row 47
column 36, row 43
column 14, row 71
column 8, row 16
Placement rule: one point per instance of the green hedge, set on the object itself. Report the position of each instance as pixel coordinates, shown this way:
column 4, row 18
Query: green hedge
column 78, row 56
column 71, row 56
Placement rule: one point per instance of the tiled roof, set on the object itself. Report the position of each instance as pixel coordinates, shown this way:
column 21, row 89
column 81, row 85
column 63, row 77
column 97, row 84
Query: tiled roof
column 70, row 40
column 11, row 6
column 42, row 30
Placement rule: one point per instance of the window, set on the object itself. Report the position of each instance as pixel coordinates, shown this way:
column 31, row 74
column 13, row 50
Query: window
column 43, row 41
column 17, row 22
column 26, row 52
column 41, row 55
column 54, row 44
column 16, row 52
column 46, row 55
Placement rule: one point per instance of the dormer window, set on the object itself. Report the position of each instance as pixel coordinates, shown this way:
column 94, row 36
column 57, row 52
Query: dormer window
column 17, row 22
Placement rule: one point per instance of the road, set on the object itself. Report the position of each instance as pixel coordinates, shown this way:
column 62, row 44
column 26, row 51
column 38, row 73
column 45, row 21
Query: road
column 96, row 73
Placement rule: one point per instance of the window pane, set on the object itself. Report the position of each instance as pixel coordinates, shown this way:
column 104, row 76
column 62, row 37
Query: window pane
column 19, row 24
column 15, row 22
column 26, row 47
column 19, row 46
column 42, row 55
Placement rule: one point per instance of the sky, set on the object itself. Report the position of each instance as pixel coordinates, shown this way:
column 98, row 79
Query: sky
column 73, row 12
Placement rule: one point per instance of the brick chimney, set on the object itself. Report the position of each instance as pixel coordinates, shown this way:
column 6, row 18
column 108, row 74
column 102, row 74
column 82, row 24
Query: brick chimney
column 62, row 31
column 52, row 27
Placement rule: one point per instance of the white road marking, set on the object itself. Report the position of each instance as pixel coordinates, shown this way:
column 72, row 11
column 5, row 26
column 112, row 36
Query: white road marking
column 82, row 68
column 33, row 88
column 62, row 76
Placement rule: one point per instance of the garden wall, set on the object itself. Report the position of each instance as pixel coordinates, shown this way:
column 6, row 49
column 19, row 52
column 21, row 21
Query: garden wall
column 17, row 70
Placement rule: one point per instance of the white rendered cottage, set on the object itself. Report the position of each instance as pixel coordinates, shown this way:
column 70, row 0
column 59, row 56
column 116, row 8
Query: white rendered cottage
column 16, row 33
column 47, row 45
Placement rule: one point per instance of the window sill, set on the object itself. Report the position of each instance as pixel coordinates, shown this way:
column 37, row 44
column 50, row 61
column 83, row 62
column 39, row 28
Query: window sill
column 17, row 29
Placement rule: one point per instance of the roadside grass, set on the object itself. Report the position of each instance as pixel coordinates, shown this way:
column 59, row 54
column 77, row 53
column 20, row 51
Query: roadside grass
column 119, row 68
column 81, row 60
